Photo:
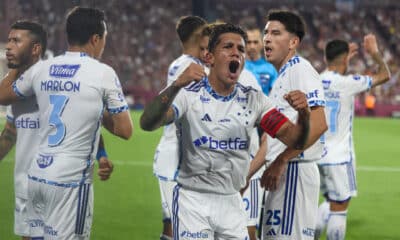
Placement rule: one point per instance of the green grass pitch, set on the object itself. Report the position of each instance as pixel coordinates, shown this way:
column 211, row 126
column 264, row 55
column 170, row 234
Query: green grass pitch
column 127, row 207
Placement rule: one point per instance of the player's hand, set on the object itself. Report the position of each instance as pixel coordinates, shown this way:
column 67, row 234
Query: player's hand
column 271, row 177
column 353, row 50
column 370, row 44
column 297, row 100
column 105, row 168
column 194, row 72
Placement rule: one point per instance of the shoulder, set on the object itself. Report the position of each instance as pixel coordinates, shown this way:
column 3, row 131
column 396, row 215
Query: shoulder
column 195, row 86
column 246, row 89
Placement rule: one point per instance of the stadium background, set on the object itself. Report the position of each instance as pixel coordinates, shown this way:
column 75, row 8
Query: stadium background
column 140, row 45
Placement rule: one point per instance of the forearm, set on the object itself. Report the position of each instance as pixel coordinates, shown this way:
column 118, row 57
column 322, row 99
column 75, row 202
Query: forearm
column 383, row 73
column 258, row 160
column 155, row 112
column 7, row 95
column 7, row 141
column 303, row 124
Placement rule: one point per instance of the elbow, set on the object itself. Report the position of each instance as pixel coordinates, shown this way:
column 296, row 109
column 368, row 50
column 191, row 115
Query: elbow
column 146, row 125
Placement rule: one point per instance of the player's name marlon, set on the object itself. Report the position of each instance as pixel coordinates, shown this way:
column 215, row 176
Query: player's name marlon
column 60, row 86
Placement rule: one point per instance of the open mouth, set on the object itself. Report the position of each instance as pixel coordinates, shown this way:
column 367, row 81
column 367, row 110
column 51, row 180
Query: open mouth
column 233, row 66
column 267, row 50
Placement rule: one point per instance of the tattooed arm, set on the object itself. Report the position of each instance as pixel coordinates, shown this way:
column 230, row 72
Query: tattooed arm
column 7, row 139
column 159, row 111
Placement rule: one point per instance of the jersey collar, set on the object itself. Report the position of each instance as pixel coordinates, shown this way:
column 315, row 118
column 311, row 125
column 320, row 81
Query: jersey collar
column 215, row 94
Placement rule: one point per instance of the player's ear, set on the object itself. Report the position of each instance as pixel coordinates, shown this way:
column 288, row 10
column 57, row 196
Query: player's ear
column 294, row 42
column 94, row 39
column 209, row 58
column 37, row 49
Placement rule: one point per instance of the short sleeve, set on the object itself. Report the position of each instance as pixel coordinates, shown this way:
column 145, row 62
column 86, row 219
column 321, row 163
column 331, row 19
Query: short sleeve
column 180, row 104
column 23, row 86
column 9, row 114
column 357, row 83
column 308, row 81
column 114, row 98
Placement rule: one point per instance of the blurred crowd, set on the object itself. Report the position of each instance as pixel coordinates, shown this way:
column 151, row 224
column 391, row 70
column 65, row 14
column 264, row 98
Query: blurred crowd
column 142, row 39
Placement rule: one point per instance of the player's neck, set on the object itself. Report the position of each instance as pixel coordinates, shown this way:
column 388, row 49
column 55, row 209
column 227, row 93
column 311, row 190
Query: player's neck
column 223, row 88
column 191, row 51
column 84, row 49
column 337, row 68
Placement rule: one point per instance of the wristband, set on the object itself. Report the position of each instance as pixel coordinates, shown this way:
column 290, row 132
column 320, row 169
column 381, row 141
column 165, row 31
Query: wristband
column 101, row 152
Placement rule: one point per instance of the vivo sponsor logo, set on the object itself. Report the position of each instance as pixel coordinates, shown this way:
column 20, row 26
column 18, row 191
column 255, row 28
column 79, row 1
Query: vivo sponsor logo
column 50, row 231
column 224, row 120
column 332, row 94
column 194, row 235
column 44, row 161
column 27, row 123
column 64, row 71
column 36, row 223
column 225, row 144
column 313, row 94
column 308, row 232
column 242, row 99
column 204, row 99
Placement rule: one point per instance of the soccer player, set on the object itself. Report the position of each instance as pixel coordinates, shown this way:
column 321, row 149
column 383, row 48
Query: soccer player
column 266, row 74
column 292, row 177
column 337, row 167
column 194, row 41
column 264, row 71
column 215, row 116
column 26, row 45
column 60, row 176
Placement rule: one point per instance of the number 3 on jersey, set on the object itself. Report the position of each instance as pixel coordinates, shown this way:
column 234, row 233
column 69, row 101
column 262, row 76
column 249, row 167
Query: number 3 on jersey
column 58, row 102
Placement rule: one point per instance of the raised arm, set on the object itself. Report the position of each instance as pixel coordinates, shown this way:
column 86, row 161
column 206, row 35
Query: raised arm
column 159, row 112
column 383, row 73
column 7, row 139
column 7, row 94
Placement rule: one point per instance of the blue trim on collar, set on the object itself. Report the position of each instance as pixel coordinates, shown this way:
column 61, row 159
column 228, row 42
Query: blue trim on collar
column 215, row 94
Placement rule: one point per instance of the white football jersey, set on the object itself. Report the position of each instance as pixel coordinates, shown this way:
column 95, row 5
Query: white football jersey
column 24, row 116
column 71, row 90
column 339, row 93
column 214, row 134
column 296, row 74
column 166, row 158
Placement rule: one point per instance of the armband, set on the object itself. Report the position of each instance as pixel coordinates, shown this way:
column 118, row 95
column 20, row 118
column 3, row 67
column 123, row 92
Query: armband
column 272, row 122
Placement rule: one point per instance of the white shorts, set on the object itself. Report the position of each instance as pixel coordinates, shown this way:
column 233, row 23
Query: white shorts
column 26, row 225
column 338, row 182
column 66, row 212
column 252, row 199
column 208, row 216
column 290, row 212
column 166, row 190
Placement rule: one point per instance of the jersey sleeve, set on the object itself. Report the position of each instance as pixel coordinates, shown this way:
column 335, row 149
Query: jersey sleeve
column 9, row 114
column 114, row 99
column 180, row 104
column 355, row 84
column 23, row 86
column 307, row 80
column 270, row 119
column 176, row 69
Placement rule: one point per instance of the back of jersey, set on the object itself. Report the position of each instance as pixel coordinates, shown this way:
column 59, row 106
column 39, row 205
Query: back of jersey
column 71, row 91
column 339, row 93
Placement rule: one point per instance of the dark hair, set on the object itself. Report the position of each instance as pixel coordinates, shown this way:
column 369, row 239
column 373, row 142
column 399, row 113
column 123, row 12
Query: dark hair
column 82, row 23
column 222, row 28
column 36, row 30
column 187, row 25
column 334, row 48
column 293, row 23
